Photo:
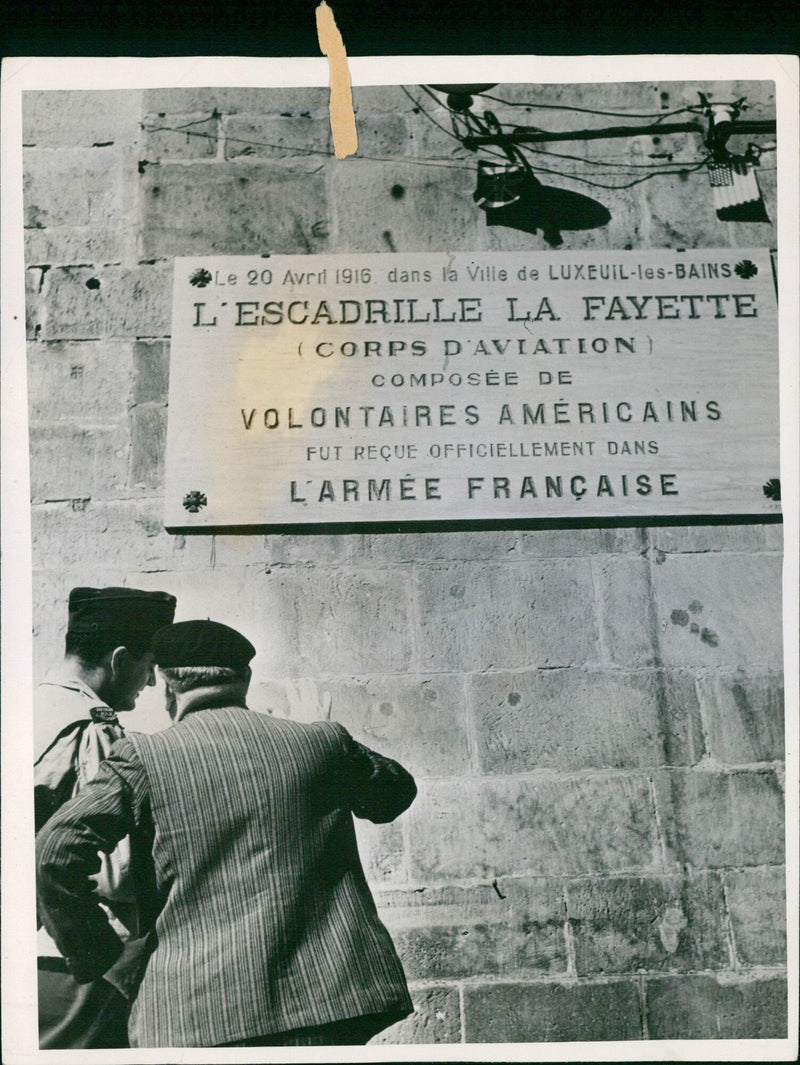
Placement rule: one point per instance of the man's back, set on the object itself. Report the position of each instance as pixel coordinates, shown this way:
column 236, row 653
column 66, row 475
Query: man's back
column 268, row 923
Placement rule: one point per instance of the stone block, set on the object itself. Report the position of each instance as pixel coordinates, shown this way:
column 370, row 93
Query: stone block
column 50, row 594
column 456, row 932
column 430, row 128
column 108, row 302
column 537, row 615
column 84, row 380
column 720, row 610
column 122, row 534
column 624, row 599
column 382, row 134
column 387, row 207
column 338, row 620
column 303, row 137
column 549, row 1012
column 383, row 853
column 690, row 539
column 76, row 310
column 773, row 537
column 228, row 596
column 543, row 826
column 573, row 719
column 241, row 208
column 681, row 720
column 99, row 243
column 628, row 924
column 228, row 101
column 757, row 906
column 317, row 548
column 759, row 94
column 74, row 462
column 744, row 716
column 476, row 546
column 494, row 545
column 78, row 187
column 35, row 304
column 420, row 721
column 436, row 1019
column 375, row 98
column 709, row 1007
column 714, row 819
column 192, row 136
column 610, row 96
column 80, row 119
column 148, row 440
column 239, row 549
column 151, row 371
column 431, row 137
column 681, row 212
column 567, row 543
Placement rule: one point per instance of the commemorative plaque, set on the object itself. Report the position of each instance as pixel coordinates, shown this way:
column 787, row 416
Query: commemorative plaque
column 487, row 386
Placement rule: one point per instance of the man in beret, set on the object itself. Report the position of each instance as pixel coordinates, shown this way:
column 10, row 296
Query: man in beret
column 108, row 661
column 265, row 932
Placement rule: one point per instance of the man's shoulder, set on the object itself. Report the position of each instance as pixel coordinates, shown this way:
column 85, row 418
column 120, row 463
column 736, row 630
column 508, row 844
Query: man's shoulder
column 302, row 729
column 61, row 703
column 233, row 720
column 244, row 717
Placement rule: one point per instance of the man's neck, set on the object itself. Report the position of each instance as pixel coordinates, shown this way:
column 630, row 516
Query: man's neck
column 94, row 677
column 210, row 697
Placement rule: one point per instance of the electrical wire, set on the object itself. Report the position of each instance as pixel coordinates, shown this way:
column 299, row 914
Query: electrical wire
column 610, row 162
column 671, row 167
column 480, row 126
column 587, row 110
column 628, row 185
column 654, row 170
column 194, row 122
column 297, row 148
column 430, row 118
column 473, row 123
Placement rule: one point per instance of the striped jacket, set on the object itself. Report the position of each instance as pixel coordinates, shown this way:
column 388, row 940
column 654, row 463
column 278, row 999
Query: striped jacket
column 262, row 918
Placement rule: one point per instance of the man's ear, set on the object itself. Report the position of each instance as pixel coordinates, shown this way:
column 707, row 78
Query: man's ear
column 119, row 659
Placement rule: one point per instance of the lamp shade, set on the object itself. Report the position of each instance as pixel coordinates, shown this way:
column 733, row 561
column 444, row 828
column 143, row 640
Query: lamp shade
column 734, row 187
column 499, row 184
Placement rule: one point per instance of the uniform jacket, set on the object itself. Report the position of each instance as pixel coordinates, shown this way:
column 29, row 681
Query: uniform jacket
column 74, row 730
column 262, row 917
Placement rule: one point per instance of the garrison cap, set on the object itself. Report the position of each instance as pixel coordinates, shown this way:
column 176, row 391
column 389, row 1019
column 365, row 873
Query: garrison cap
column 124, row 613
column 201, row 643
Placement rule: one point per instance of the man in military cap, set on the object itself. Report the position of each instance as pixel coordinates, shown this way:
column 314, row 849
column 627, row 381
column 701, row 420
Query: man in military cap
column 108, row 661
column 265, row 932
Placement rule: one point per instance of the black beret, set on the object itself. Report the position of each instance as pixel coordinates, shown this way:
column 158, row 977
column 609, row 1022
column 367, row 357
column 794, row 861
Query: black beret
column 124, row 613
column 201, row 643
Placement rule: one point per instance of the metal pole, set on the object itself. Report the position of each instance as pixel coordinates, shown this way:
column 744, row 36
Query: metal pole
column 525, row 135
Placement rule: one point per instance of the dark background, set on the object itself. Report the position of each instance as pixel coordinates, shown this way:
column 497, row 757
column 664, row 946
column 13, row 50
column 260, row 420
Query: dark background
column 377, row 27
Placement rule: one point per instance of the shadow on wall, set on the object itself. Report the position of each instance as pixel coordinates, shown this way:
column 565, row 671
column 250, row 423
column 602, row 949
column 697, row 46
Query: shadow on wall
column 550, row 209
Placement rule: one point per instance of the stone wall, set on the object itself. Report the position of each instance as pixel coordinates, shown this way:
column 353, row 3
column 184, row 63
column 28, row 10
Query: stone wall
column 594, row 717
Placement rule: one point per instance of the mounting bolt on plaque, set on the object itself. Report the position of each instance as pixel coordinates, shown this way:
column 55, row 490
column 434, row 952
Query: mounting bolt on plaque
column 194, row 501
